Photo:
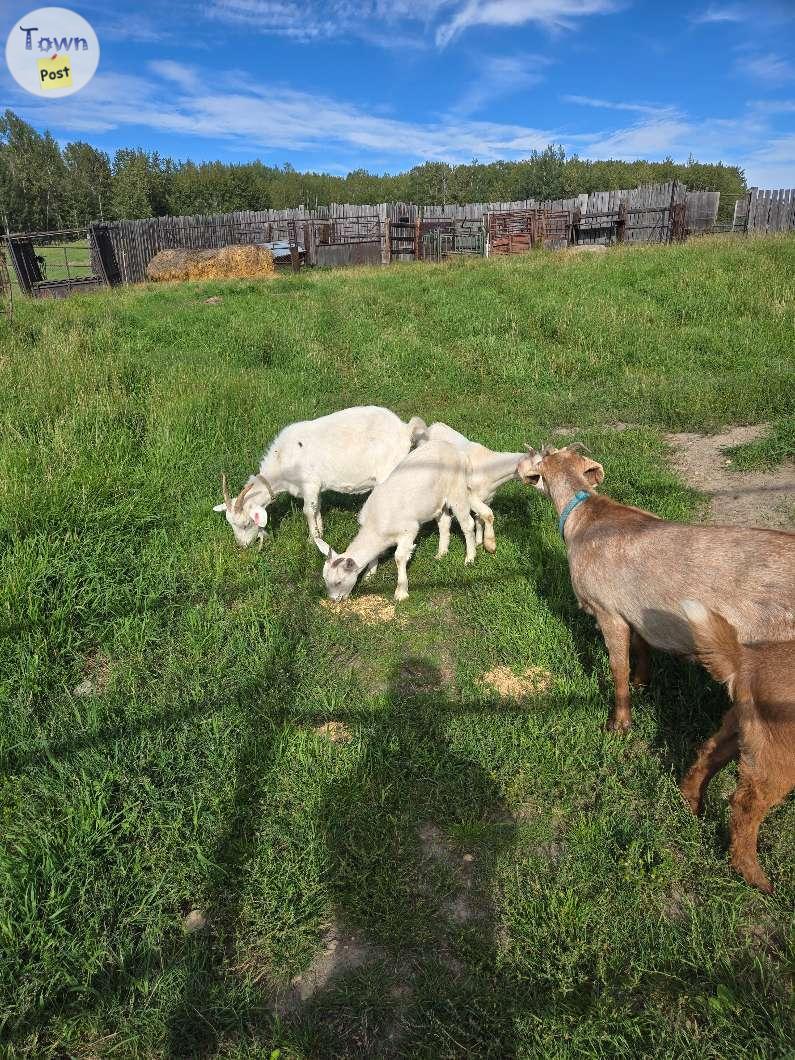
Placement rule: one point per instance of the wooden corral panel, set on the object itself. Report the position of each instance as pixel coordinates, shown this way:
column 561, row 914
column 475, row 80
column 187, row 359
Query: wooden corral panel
column 768, row 211
column 333, row 255
column 516, row 231
column 702, row 211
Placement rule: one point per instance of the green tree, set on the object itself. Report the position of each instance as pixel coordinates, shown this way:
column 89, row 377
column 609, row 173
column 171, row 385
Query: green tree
column 32, row 177
column 87, row 189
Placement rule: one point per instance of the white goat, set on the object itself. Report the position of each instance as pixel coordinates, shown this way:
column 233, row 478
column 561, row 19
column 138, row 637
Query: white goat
column 431, row 483
column 349, row 451
column 490, row 470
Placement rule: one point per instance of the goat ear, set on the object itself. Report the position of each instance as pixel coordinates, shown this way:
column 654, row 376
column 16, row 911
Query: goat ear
column 219, row 507
column 327, row 550
column 259, row 515
column 594, row 473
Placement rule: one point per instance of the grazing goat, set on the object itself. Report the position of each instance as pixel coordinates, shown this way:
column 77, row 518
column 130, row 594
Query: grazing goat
column 759, row 728
column 349, row 451
column 490, row 470
column 431, row 483
column 629, row 569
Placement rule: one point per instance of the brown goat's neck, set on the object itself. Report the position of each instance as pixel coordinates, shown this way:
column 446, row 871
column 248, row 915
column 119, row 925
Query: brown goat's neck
column 563, row 487
column 561, row 490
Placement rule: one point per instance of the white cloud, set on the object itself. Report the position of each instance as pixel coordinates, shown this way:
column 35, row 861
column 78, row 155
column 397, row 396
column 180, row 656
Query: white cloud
column 639, row 108
column 772, row 165
column 552, row 14
column 182, row 75
column 651, row 139
column 767, row 67
column 774, row 106
column 270, row 117
column 310, row 20
column 721, row 13
column 501, row 76
column 375, row 20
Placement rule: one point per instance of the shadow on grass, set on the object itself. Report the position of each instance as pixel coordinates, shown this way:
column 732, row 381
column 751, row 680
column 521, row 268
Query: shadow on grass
column 412, row 835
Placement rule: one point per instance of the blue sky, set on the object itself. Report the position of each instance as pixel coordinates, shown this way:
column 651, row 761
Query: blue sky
column 367, row 83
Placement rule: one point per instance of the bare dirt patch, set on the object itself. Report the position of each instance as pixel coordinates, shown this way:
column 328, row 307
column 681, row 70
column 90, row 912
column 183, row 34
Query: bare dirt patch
column 96, row 670
column 334, row 732
column 586, row 248
column 467, row 903
column 342, row 951
column 372, row 610
column 423, row 677
column 752, row 498
column 530, row 682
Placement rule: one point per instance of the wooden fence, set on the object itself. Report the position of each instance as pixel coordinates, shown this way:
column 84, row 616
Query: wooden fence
column 761, row 212
column 126, row 247
column 662, row 212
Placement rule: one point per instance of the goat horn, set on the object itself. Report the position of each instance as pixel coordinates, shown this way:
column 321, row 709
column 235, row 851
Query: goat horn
column 242, row 496
column 225, row 488
column 266, row 484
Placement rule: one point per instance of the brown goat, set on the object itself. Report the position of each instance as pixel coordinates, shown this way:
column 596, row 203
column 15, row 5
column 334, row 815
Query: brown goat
column 630, row 569
column 759, row 727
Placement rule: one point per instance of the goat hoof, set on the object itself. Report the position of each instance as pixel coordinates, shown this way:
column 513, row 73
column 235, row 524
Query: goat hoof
column 490, row 546
column 756, row 878
column 618, row 725
column 401, row 594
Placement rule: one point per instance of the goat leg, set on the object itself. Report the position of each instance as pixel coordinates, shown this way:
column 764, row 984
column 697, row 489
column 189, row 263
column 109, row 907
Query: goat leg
column 485, row 522
column 713, row 754
column 642, row 653
column 616, row 633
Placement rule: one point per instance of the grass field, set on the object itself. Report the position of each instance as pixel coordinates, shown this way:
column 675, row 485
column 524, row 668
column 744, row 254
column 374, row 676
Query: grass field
column 503, row 877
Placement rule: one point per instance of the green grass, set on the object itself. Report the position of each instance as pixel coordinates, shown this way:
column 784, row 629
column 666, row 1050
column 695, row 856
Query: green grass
column 775, row 447
column 606, row 921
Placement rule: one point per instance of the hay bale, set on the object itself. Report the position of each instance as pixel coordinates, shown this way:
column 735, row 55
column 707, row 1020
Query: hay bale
column 239, row 261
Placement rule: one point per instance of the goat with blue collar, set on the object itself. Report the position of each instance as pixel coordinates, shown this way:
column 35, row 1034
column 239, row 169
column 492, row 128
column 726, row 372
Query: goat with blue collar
column 631, row 570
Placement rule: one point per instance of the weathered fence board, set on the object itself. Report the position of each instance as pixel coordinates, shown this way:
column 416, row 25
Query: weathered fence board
column 764, row 211
column 702, row 210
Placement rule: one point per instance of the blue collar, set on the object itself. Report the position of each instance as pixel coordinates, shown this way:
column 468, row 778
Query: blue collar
column 577, row 499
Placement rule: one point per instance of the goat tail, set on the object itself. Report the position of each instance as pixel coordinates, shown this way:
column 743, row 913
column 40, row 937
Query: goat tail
column 417, row 429
column 715, row 641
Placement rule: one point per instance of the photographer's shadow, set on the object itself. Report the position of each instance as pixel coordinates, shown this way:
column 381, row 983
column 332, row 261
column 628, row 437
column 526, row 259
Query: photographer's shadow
column 413, row 834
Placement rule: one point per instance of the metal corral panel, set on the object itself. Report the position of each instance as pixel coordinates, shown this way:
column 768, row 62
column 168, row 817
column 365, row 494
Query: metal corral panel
column 331, row 255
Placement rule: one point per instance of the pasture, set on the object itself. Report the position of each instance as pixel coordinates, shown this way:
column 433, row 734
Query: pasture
column 238, row 821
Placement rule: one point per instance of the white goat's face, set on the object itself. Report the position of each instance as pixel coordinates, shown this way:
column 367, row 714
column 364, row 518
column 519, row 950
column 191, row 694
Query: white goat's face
column 248, row 521
column 243, row 526
column 339, row 574
column 529, row 471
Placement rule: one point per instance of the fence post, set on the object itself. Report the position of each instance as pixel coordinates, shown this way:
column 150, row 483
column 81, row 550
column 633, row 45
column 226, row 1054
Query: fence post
column 621, row 222
column 386, row 245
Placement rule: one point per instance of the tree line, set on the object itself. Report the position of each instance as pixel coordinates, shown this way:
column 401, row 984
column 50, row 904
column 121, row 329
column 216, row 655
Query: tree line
column 44, row 186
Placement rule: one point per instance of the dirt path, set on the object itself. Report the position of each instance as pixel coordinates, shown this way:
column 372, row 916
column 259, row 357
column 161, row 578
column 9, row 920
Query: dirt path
column 752, row 498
